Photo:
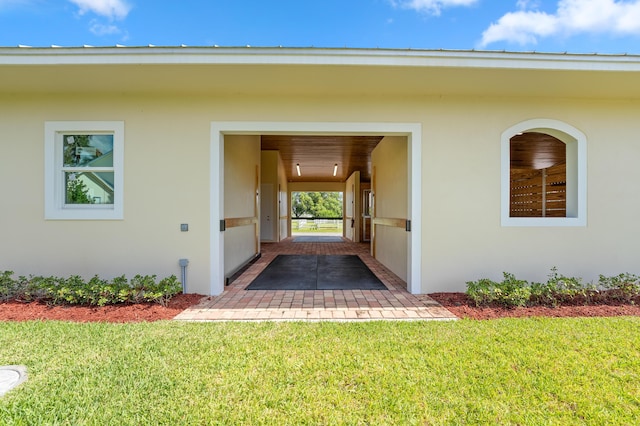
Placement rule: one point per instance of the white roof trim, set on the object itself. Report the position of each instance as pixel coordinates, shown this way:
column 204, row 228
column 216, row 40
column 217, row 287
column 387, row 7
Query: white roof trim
column 314, row 56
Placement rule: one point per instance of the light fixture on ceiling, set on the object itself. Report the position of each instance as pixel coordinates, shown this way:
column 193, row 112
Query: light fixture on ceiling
column 335, row 169
column 298, row 168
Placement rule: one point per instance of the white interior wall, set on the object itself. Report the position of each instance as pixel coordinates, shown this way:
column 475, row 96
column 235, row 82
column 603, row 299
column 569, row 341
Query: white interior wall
column 241, row 164
column 284, row 212
column 269, row 175
column 390, row 183
column 351, row 200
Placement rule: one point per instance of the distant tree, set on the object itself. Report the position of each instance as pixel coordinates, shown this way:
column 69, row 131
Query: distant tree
column 317, row 204
column 301, row 204
column 327, row 204
column 70, row 152
column 77, row 192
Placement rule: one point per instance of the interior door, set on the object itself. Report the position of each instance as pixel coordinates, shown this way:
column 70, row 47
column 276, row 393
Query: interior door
column 267, row 212
column 366, row 215
column 352, row 208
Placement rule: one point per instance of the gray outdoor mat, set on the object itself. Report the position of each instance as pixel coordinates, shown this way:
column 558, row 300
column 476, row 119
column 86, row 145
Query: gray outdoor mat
column 317, row 239
column 310, row 272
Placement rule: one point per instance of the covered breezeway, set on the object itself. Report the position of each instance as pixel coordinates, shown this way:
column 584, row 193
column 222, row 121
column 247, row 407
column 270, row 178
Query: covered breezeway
column 220, row 131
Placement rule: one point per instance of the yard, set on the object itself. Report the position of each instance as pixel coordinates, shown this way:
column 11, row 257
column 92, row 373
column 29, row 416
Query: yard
column 508, row 371
column 316, row 226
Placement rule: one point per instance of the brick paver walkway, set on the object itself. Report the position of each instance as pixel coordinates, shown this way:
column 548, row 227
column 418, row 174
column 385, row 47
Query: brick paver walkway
column 238, row 304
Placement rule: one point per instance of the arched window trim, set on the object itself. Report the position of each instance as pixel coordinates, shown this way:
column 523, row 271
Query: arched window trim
column 576, row 173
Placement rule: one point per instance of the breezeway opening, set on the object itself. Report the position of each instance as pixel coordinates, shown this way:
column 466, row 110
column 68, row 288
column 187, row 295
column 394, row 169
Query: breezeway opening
column 317, row 213
column 409, row 132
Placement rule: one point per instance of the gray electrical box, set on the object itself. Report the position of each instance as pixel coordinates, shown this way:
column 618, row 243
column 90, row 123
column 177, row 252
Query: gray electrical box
column 184, row 227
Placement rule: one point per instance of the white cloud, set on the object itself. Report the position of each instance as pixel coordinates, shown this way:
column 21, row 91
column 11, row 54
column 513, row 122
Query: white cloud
column 527, row 4
column 528, row 25
column 6, row 4
column 433, row 7
column 112, row 9
column 102, row 30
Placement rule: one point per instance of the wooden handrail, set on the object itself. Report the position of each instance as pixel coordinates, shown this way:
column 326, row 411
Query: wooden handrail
column 235, row 222
column 393, row 222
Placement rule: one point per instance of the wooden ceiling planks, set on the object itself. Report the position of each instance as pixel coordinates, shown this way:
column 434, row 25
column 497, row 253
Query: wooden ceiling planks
column 537, row 151
column 317, row 156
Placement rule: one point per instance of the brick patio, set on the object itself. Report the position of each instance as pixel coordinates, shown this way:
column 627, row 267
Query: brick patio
column 238, row 304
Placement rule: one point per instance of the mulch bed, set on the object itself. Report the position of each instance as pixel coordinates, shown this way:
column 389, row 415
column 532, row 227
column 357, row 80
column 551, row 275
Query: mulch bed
column 464, row 307
column 20, row 311
column 458, row 303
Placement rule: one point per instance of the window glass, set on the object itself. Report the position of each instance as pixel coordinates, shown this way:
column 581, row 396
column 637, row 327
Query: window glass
column 79, row 153
column 538, row 176
column 87, row 150
column 83, row 165
column 89, row 187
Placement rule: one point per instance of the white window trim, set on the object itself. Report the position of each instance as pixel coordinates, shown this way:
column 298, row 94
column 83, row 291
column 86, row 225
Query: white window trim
column 54, row 208
column 576, row 167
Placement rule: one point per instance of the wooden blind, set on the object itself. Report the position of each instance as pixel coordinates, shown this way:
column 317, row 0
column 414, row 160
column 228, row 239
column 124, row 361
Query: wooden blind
column 539, row 193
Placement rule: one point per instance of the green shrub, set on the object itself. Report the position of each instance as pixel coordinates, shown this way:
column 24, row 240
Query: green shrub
column 163, row 291
column 512, row 291
column 96, row 292
column 29, row 289
column 558, row 288
column 543, row 294
column 625, row 286
column 565, row 288
column 141, row 285
column 481, row 291
column 509, row 292
column 7, row 286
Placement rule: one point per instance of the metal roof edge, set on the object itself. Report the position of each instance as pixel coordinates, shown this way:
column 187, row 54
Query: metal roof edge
column 247, row 55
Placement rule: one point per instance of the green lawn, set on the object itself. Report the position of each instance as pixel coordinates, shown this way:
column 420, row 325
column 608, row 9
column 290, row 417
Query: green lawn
column 321, row 227
column 512, row 371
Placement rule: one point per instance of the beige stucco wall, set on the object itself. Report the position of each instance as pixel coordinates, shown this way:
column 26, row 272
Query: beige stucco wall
column 463, row 239
column 167, row 182
column 390, row 180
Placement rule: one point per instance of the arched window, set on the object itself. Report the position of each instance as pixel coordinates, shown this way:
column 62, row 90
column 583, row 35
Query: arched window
column 543, row 175
column 538, row 176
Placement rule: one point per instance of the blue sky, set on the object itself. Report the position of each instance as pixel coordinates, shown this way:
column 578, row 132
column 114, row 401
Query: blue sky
column 576, row 26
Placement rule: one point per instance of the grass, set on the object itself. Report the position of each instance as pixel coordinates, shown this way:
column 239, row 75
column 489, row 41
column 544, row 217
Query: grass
column 511, row 371
column 309, row 231
column 324, row 227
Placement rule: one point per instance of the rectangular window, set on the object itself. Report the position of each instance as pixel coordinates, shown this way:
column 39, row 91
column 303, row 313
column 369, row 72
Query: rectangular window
column 83, row 176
